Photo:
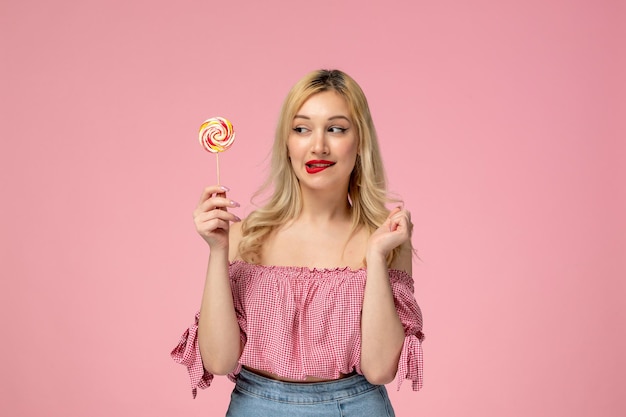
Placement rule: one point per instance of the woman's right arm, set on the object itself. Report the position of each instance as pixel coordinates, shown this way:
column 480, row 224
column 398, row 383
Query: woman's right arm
column 218, row 330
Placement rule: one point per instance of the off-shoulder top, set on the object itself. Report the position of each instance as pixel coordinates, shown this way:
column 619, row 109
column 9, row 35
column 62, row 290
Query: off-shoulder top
column 297, row 322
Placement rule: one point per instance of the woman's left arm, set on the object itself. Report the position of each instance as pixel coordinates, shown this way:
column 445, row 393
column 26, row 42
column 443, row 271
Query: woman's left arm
column 382, row 333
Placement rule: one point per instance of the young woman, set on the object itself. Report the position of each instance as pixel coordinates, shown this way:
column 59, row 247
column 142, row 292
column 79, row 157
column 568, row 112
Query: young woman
column 308, row 303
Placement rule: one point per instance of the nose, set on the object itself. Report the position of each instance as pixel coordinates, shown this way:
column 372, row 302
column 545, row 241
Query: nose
column 319, row 144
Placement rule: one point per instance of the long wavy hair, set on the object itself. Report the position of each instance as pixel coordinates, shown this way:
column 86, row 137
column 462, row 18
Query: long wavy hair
column 367, row 190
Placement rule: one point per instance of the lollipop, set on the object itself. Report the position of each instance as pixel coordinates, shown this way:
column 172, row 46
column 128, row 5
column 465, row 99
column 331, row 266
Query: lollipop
column 216, row 135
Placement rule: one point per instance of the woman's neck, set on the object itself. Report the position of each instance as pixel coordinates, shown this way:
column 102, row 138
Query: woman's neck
column 324, row 207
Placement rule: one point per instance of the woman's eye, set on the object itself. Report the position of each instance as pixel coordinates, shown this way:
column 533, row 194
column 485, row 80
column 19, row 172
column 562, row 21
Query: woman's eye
column 337, row 129
column 300, row 129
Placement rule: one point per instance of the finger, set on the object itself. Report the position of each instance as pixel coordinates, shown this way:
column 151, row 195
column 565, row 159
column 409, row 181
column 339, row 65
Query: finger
column 390, row 216
column 217, row 203
column 216, row 214
column 401, row 213
column 213, row 225
column 211, row 190
column 394, row 224
column 409, row 224
column 394, row 211
column 401, row 223
column 393, row 217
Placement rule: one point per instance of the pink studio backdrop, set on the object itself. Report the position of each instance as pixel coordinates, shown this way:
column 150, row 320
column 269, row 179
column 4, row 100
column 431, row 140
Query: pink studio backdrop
column 502, row 127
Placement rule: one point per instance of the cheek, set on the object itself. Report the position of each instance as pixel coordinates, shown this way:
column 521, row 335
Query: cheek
column 290, row 147
column 297, row 148
column 352, row 148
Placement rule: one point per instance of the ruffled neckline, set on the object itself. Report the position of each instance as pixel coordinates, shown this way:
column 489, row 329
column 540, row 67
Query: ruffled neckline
column 306, row 269
column 296, row 268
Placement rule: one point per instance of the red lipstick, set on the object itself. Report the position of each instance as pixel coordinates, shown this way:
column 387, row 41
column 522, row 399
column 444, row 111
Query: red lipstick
column 317, row 165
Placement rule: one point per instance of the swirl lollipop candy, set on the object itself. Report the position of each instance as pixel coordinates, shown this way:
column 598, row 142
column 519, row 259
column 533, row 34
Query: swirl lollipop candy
column 216, row 135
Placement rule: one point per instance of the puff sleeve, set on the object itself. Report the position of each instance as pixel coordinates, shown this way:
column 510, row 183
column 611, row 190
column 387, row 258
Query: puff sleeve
column 187, row 353
column 411, row 363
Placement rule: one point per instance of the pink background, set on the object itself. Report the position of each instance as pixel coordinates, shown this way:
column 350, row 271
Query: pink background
column 502, row 124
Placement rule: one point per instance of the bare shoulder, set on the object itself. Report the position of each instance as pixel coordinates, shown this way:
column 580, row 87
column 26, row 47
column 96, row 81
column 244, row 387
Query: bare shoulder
column 234, row 237
column 404, row 260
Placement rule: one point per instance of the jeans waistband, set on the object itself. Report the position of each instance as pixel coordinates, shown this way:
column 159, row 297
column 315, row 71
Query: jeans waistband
column 302, row 393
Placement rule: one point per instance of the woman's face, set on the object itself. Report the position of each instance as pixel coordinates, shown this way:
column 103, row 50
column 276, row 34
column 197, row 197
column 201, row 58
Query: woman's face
column 322, row 144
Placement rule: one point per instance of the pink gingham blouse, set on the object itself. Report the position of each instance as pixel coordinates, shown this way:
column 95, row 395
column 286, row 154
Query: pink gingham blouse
column 297, row 322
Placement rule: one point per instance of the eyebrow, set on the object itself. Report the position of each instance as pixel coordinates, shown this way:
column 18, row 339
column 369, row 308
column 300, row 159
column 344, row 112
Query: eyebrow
column 301, row 116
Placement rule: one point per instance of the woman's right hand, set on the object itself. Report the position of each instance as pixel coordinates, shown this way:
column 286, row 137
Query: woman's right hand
column 211, row 217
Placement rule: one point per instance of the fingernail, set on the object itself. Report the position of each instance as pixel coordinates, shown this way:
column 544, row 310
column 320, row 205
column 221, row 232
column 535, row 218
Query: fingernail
column 225, row 188
column 234, row 203
column 238, row 219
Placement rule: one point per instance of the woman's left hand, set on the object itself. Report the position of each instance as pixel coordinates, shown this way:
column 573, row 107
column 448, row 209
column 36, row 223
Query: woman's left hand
column 395, row 231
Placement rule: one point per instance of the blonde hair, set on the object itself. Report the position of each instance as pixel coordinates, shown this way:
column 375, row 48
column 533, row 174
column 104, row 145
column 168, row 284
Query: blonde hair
column 367, row 190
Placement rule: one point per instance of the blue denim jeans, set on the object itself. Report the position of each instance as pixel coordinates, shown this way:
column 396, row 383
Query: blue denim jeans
column 257, row 396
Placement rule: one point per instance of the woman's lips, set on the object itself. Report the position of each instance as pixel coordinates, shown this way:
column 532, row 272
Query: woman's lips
column 317, row 165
